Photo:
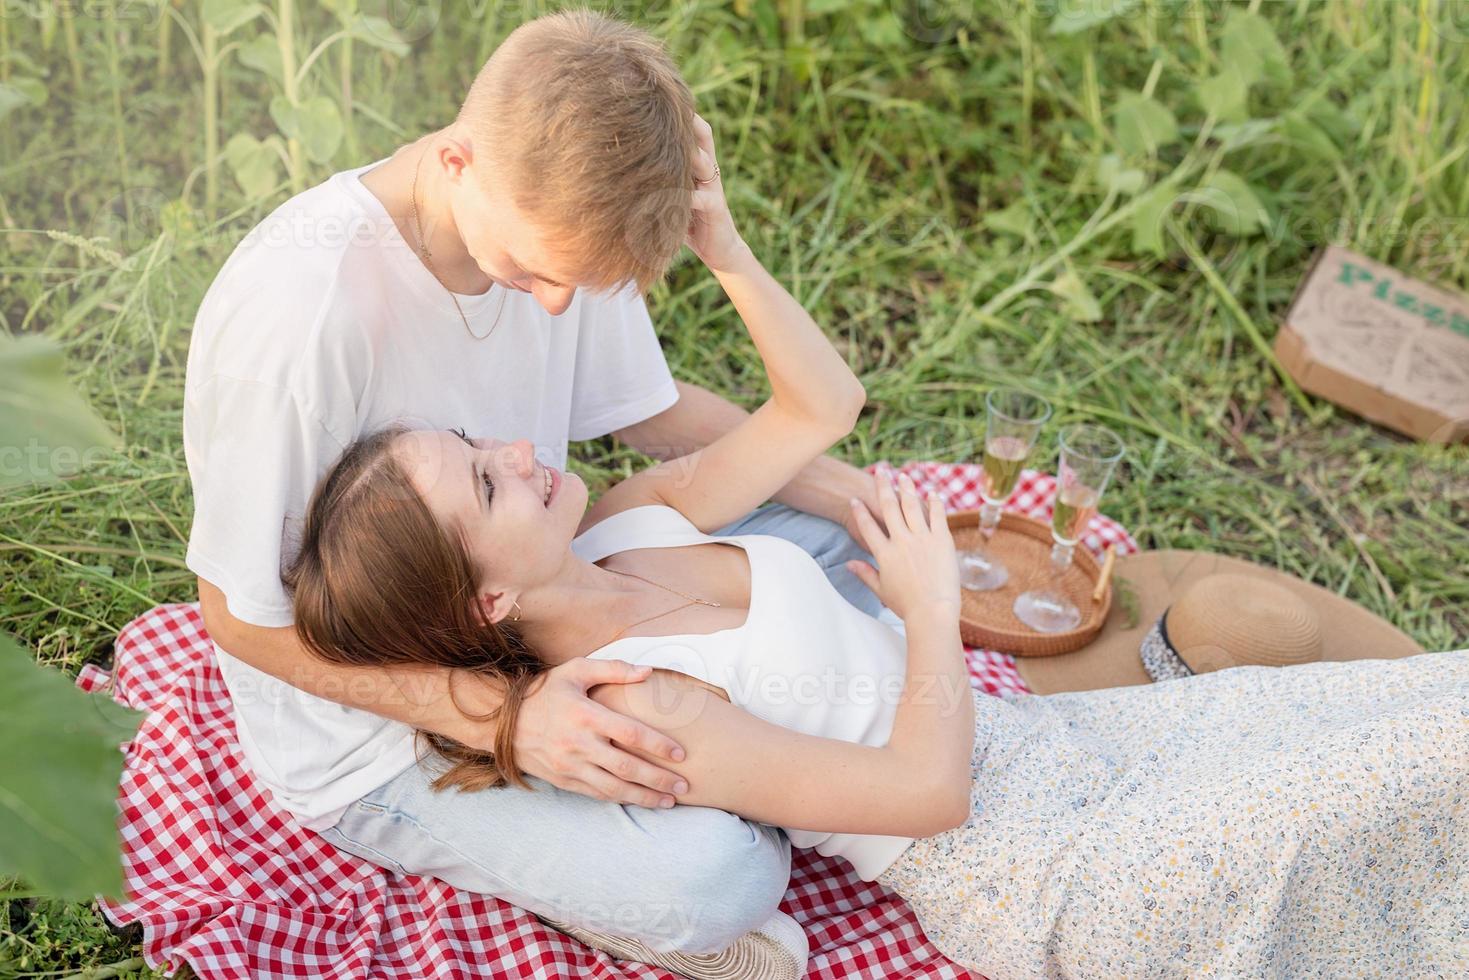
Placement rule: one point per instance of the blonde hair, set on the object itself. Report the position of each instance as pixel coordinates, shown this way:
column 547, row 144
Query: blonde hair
column 592, row 127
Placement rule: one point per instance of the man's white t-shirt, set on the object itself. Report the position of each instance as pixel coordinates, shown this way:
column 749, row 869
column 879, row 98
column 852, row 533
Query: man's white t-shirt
column 324, row 326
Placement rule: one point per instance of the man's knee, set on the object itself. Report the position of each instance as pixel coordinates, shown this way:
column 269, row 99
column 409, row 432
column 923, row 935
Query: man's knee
column 721, row 877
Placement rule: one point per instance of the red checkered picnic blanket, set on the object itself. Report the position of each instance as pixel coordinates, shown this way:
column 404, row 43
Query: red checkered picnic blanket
column 223, row 879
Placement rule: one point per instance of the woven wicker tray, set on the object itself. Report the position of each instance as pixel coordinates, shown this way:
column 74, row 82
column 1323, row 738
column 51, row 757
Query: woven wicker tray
column 987, row 619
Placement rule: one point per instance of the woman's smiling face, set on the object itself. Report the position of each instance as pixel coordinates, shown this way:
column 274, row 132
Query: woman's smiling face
column 517, row 515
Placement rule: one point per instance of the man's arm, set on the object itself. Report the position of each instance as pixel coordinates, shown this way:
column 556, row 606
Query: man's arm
column 824, row 488
column 561, row 735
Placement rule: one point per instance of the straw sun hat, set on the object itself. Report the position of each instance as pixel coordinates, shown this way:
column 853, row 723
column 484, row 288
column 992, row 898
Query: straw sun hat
column 1199, row 612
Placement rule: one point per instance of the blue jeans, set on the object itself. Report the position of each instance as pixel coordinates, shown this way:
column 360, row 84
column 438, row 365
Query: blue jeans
column 690, row 878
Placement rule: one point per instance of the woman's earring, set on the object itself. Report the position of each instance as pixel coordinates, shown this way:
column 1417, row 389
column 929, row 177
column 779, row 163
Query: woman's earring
column 516, row 617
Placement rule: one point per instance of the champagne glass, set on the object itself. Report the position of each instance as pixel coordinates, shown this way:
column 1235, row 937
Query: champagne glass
column 1013, row 419
column 1089, row 455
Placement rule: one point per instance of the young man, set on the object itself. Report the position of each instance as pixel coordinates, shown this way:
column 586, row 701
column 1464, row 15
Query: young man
column 487, row 276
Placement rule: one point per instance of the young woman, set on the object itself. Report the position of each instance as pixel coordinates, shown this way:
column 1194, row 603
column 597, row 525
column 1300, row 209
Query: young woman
column 1135, row 832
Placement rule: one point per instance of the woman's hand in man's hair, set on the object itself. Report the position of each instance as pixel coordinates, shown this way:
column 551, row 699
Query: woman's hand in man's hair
column 712, row 233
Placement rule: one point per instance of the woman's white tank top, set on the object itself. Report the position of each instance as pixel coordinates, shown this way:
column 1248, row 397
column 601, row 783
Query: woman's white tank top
column 804, row 659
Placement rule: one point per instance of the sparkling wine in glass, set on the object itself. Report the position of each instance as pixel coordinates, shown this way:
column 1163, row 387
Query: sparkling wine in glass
column 1003, row 458
column 1013, row 419
column 1076, row 505
column 1089, row 456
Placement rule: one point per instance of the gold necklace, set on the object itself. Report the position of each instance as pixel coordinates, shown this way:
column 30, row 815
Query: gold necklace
column 428, row 262
column 693, row 600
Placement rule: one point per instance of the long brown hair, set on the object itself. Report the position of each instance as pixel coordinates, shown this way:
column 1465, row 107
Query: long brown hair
column 379, row 582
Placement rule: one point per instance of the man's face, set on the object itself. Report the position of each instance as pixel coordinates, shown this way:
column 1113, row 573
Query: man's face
column 503, row 242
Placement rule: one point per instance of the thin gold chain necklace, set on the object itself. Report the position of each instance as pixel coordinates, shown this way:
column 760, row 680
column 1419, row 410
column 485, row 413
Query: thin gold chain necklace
column 428, row 262
column 693, row 600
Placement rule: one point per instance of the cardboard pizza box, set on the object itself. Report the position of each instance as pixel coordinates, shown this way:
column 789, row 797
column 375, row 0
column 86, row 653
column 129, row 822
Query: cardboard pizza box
column 1390, row 348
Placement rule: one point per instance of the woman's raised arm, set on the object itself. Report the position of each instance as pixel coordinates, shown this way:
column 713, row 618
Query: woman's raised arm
column 814, row 397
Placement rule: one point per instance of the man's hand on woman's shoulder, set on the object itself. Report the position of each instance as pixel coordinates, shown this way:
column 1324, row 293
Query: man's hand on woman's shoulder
column 578, row 745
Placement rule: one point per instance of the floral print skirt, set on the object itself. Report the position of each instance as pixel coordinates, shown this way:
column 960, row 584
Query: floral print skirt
column 1306, row 821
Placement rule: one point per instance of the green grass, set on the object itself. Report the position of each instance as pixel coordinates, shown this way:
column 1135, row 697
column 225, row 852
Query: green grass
column 930, row 192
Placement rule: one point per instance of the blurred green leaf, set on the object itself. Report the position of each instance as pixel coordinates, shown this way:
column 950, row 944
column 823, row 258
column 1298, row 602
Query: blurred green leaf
column 1143, row 125
column 1234, row 136
column 226, row 16
column 1114, row 177
column 1250, row 47
column 1236, row 208
column 1013, row 220
column 1147, row 220
column 46, row 428
column 316, row 122
column 11, row 98
column 17, row 58
column 20, row 92
column 1300, row 132
column 1225, row 96
column 1339, row 124
column 882, row 30
column 254, row 163
column 377, row 32
column 1079, row 302
column 1075, row 16
column 262, row 53
column 34, row 89
column 59, row 772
